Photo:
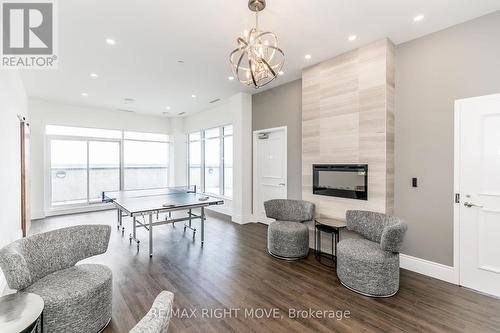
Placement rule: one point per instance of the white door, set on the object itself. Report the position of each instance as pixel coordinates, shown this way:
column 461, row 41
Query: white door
column 479, row 182
column 270, row 168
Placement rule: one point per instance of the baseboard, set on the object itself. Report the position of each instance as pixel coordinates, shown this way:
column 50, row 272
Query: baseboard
column 429, row 268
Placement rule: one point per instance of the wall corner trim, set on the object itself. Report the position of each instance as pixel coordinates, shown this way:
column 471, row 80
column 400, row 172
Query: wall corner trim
column 429, row 268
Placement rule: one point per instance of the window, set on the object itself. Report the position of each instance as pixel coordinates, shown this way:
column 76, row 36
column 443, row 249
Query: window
column 194, row 157
column 84, row 162
column 146, row 164
column 104, row 168
column 210, row 160
column 68, row 172
column 228, row 161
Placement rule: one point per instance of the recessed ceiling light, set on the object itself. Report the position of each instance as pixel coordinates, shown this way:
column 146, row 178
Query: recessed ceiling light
column 84, row 94
column 167, row 107
column 94, row 75
column 352, row 38
column 128, row 100
column 193, row 96
column 230, row 78
column 418, row 18
column 110, row 41
column 307, row 56
column 281, row 72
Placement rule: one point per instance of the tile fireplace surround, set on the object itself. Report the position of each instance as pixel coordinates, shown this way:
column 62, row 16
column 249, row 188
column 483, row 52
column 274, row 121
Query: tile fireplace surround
column 348, row 118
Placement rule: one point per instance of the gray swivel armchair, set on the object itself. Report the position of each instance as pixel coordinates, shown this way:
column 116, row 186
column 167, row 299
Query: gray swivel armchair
column 77, row 298
column 288, row 236
column 158, row 317
column 370, row 266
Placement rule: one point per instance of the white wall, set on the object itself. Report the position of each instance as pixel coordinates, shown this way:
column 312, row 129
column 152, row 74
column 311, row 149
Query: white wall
column 236, row 110
column 44, row 113
column 13, row 102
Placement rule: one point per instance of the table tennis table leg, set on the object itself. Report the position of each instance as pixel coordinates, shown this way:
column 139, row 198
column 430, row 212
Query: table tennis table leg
column 150, row 235
column 202, row 225
column 119, row 221
column 133, row 228
column 133, row 235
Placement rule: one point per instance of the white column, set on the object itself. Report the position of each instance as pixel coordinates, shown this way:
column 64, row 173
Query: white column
column 241, row 106
column 178, row 153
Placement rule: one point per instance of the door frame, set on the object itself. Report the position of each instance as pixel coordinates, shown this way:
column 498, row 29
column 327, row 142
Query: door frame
column 456, row 182
column 254, row 167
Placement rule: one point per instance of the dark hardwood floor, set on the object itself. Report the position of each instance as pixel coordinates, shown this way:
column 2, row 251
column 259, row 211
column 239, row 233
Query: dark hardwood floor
column 234, row 271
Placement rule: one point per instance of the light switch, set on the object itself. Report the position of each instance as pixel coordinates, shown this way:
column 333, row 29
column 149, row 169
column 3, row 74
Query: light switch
column 414, row 182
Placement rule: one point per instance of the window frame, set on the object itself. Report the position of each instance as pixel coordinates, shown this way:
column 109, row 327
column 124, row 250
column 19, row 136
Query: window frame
column 202, row 141
column 121, row 141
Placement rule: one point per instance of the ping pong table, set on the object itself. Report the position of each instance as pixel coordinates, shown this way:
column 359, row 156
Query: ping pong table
column 145, row 207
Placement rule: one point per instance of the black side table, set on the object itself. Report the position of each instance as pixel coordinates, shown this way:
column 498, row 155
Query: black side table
column 332, row 227
column 21, row 312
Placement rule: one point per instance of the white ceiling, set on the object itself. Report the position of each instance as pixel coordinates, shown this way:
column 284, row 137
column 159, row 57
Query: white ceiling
column 152, row 35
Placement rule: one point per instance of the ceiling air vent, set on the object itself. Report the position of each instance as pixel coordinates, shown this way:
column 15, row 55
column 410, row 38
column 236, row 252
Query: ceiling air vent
column 214, row 101
column 125, row 110
column 181, row 113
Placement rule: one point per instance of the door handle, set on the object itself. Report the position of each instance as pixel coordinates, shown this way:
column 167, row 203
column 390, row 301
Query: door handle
column 469, row 205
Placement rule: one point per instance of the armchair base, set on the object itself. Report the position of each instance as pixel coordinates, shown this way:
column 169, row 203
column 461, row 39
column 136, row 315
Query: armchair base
column 287, row 258
column 368, row 295
column 366, row 269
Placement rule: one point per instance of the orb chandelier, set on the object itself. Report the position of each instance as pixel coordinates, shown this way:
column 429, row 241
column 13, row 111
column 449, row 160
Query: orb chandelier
column 257, row 59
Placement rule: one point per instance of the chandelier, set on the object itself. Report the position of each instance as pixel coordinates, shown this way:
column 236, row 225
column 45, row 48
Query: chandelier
column 257, row 59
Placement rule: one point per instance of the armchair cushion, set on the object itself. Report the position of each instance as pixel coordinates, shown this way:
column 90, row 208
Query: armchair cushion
column 289, row 210
column 384, row 229
column 366, row 223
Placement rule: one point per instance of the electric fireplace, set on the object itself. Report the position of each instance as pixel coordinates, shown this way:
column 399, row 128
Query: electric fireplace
column 341, row 180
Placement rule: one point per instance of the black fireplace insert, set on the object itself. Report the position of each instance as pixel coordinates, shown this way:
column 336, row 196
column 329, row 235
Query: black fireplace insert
column 341, row 180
